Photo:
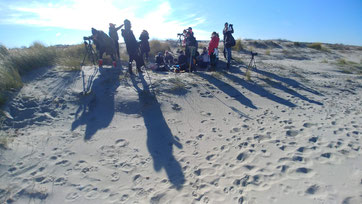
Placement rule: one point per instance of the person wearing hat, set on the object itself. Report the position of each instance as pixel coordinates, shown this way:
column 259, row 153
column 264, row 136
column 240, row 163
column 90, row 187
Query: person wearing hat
column 114, row 35
column 132, row 47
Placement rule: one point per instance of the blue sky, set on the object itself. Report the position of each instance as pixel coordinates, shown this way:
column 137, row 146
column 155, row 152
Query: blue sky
column 66, row 22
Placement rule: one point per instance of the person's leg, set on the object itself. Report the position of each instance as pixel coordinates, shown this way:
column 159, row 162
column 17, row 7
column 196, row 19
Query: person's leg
column 117, row 49
column 130, row 64
column 228, row 56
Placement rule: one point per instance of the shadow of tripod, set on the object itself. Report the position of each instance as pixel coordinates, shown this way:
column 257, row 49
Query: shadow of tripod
column 92, row 56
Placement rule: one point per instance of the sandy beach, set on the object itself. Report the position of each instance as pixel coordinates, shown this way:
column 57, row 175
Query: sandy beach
column 290, row 134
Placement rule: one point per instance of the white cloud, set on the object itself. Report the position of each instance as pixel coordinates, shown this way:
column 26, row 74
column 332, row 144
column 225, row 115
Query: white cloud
column 84, row 14
column 58, row 34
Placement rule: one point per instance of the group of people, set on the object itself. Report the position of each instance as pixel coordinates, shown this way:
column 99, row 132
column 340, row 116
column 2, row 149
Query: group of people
column 187, row 60
column 109, row 45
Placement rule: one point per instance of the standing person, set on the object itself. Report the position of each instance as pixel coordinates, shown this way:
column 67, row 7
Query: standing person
column 114, row 35
column 229, row 42
column 213, row 49
column 104, row 44
column 191, row 46
column 132, row 47
column 145, row 46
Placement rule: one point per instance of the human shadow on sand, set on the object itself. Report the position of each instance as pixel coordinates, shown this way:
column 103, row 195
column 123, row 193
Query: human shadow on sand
column 257, row 89
column 291, row 82
column 160, row 140
column 280, row 86
column 97, row 109
column 227, row 89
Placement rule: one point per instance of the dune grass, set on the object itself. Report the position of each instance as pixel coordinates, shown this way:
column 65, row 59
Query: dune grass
column 16, row 62
column 238, row 45
column 158, row 46
column 349, row 67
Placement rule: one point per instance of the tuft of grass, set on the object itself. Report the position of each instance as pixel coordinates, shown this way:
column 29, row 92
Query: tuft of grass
column 71, row 57
column 349, row 67
column 248, row 75
column 267, row 52
column 36, row 56
column 297, row 44
column 177, row 84
column 158, row 46
column 324, row 61
column 318, row 46
column 238, row 45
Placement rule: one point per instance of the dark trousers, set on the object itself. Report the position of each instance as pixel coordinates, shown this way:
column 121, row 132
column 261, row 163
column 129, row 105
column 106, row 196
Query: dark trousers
column 117, row 50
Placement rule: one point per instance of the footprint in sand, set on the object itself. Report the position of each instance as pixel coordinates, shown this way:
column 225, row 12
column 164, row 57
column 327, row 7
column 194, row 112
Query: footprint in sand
column 121, row 143
column 292, row 133
column 312, row 189
column 203, row 113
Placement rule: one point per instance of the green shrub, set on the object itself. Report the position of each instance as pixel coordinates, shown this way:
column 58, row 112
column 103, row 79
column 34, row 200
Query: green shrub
column 72, row 56
column 267, row 52
column 317, row 46
column 157, row 46
column 238, row 45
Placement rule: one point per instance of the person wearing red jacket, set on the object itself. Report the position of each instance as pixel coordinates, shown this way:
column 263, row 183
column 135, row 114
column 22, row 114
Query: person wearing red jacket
column 213, row 49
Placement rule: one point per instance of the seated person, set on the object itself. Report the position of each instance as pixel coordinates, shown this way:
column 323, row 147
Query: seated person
column 203, row 60
column 159, row 59
column 182, row 60
column 168, row 58
column 160, row 62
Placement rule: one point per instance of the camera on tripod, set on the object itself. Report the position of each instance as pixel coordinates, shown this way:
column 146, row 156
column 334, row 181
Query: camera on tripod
column 253, row 53
column 180, row 34
column 89, row 38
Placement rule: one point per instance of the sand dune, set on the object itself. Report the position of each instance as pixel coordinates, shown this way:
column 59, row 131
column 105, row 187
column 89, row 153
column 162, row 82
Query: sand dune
column 291, row 134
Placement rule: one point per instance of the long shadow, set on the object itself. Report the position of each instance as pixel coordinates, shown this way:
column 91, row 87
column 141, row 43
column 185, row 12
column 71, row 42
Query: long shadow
column 291, row 82
column 160, row 140
column 97, row 109
column 258, row 90
column 280, row 86
column 228, row 89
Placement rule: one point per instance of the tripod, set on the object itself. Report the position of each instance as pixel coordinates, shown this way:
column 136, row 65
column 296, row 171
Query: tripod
column 89, row 52
column 252, row 64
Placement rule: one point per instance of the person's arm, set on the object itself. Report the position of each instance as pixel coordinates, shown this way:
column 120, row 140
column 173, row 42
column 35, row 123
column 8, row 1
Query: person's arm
column 119, row 27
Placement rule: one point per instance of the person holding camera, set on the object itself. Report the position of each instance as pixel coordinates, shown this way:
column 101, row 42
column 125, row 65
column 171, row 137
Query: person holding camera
column 104, row 44
column 114, row 35
column 145, row 46
column 132, row 47
column 213, row 49
column 229, row 42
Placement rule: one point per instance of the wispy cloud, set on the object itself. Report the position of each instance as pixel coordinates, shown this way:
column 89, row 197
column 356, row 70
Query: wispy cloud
column 84, row 14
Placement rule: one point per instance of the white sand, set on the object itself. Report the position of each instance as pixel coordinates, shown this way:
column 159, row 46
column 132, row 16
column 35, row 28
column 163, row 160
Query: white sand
column 291, row 135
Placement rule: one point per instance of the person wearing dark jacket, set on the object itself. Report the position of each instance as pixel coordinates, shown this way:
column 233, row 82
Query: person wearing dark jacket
column 182, row 61
column 132, row 47
column 191, row 47
column 114, row 35
column 145, row 46
column 168, row 58
column 104, row 44
column 229, row 42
